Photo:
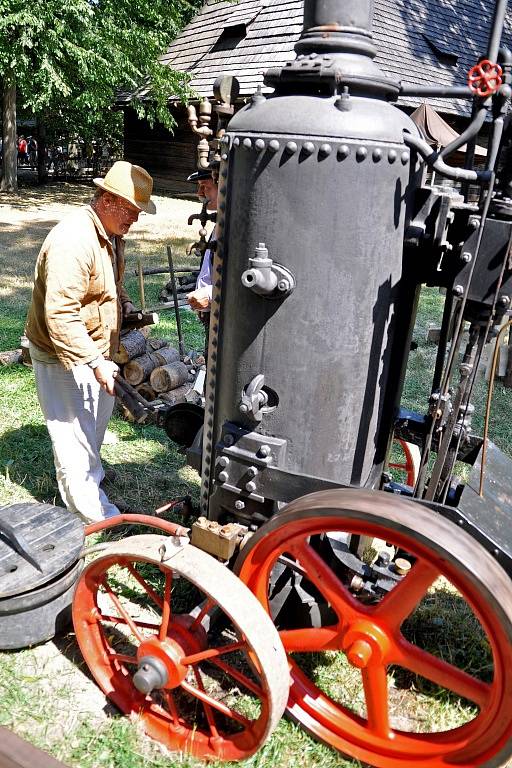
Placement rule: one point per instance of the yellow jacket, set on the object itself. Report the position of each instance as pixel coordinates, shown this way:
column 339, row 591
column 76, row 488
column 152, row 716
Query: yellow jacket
column 77, row 298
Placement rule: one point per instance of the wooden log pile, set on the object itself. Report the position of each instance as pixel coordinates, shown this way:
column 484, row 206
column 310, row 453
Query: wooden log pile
column 154, row 368
column 184, row 284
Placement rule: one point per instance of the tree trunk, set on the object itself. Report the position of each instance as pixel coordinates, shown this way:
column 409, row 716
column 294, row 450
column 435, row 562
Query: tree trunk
column 133, row 344
column 138, row 369
column 169, row 377
column 42, row 165
column 9, row 181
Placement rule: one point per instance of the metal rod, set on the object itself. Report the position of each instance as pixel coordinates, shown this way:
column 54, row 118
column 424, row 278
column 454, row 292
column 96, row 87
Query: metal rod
column 164, row 270
column 141, row 284
column 181, row 346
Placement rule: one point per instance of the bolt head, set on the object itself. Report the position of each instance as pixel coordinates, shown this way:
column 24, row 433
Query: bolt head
column 223, row 477
column 250, row 486
column 223, row 461
column 283, row 285
column 252, row 471
column 243, row 408
column 458, row 290
column 466, row 257
column 239, row 505
column 264, row 451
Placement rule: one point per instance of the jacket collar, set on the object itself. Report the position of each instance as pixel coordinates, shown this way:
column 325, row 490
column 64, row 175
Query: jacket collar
column 99, row 226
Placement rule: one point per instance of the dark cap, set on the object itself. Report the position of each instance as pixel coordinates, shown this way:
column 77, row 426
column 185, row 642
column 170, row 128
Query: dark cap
column 200, row 175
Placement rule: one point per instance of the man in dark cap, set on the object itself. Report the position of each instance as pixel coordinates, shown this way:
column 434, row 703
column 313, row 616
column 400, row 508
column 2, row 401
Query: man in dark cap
column 201, row 298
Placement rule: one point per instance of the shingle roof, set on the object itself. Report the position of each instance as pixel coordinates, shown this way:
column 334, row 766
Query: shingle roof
column 419, row 41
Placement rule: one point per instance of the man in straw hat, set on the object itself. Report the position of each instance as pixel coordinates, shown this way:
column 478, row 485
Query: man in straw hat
column 73, row 326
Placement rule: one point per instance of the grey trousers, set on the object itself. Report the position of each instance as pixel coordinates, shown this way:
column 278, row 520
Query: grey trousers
column 77, row 411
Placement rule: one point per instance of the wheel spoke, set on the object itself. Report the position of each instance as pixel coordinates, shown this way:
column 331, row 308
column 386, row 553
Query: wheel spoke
column 145, row 586
column 208, row 702
column 375, row 683
column 407, row 594
column 172, row 707
column 207, row 707
column 121, row 620
column 442, row 673
column 347, row 608
column 211, row 653
column 128, row 619
column 310, row 639
column 124, row 659
column 240, row 678
column 209, row 604
column 166, row 607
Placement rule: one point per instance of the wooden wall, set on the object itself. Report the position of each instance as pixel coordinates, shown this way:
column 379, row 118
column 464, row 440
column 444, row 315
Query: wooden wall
column 168, row 156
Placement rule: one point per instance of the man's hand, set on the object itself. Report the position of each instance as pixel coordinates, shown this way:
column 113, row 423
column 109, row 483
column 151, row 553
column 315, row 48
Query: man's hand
column 128, row 308
column 200, row 299
column 105, row 374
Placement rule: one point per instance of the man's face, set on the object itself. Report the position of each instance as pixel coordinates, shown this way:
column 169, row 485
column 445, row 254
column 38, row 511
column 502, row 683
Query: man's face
column 207, row 189
column 117, row 215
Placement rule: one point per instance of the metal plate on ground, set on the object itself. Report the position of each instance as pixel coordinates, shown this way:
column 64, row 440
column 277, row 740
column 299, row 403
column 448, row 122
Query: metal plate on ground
column 47, row 536
column 492, row 512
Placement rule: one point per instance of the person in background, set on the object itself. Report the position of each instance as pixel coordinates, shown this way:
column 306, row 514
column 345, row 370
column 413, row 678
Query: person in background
column 201, row 298
column 73, row 326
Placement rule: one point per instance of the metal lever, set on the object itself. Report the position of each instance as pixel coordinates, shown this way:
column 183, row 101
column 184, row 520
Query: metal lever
column 254, row 398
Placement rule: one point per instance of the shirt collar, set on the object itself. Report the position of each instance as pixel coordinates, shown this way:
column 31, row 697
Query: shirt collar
column 99, row 226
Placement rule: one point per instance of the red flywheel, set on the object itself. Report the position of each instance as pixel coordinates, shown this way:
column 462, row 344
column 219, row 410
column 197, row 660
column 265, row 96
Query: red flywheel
column 390, row 655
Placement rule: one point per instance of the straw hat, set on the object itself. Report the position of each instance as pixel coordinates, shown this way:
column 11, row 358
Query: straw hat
column 131, row 182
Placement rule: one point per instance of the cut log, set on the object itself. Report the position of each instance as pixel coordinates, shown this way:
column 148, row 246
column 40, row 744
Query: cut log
column 166, row 355
column 132, row 344
column 169, row 376
column 147, row 392
column 153, row 344
column 139, row 369
column 11, row 357
column 178, row 395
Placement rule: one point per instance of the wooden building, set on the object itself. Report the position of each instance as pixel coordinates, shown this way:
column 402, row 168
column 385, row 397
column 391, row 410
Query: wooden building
column 418, row 41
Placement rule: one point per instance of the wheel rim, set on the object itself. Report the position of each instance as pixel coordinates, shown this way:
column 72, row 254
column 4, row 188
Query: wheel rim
column 411, row 463
column 162, row 663
column 371, row 636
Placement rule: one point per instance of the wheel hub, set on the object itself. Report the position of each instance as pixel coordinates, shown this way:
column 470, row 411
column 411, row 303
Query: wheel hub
column 160, row 661
column 365, row 643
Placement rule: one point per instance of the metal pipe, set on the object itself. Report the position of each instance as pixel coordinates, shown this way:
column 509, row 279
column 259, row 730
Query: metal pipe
column 500, row 10
column 472, row 130
column 435, row 161
column 443, row 92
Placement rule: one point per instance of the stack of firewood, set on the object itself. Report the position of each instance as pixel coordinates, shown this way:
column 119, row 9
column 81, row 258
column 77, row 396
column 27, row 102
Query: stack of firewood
column 184, row 284
column 154, row 368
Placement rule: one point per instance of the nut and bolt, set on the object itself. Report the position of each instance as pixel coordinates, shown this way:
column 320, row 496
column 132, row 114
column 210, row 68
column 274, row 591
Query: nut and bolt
column 243, row 408
column 223, row 477
column 402, row 566
column 239, row 505
column 264, row 451
column 283, row 285
column 252, row 472
column 250, row 486
column 504, row 301
column 223, row 461
column 458, row 290
column 466, row 257
column 474, row 223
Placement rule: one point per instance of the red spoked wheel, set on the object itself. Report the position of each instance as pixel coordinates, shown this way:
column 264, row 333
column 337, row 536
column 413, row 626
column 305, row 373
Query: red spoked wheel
column 410, row 463
column 356, row 704
column 211, row 680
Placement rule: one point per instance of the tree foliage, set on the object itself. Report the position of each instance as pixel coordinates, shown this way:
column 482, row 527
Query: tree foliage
column 70, row 58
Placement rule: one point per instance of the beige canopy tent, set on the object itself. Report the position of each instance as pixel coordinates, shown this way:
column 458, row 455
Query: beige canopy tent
column 437, row 131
